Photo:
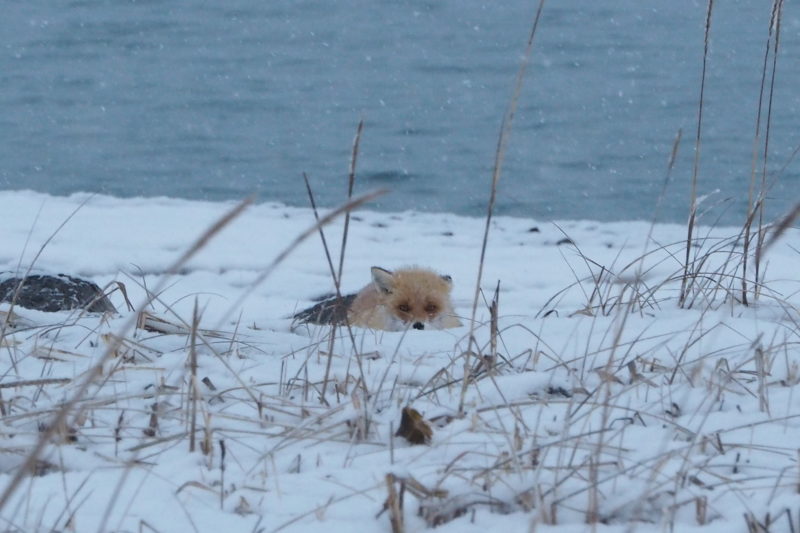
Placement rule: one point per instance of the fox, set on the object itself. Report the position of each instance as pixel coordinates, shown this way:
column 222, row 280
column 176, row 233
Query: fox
column 413, row 297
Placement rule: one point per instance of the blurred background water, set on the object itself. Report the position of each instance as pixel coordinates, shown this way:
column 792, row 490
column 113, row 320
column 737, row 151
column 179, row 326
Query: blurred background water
column 217, row 100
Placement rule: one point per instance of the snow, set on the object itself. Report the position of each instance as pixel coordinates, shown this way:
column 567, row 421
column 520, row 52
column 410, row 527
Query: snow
column 640, row 414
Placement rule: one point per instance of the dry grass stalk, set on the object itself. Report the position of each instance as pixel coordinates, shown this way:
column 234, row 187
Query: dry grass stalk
column 775, row 22
column 780, row 228
column 60, row 417
column 351, row 179
column 337, row 279
column 394, row 503
column 696, row 166
column 336, row 282
column 156, row 324
column 337, row 285
column 122, row 290
column 493, row 326
column 754, row 206
column 207, row 444
column 222, row 454
column 34, row 382
column 502, row 141
column 193, row 392
column 754, row 525
column 701, row 510
column 762, row 372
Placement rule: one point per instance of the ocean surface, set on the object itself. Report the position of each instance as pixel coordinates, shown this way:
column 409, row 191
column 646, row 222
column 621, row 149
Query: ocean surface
column 220, row 100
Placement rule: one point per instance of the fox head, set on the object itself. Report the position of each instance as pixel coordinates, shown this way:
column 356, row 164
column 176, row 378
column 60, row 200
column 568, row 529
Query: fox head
column 415, row 297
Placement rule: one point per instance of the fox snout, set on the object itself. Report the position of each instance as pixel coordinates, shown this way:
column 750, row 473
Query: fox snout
column 418, row 325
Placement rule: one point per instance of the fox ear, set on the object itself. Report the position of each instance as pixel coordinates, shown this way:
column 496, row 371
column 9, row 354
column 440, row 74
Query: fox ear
column 383, row 279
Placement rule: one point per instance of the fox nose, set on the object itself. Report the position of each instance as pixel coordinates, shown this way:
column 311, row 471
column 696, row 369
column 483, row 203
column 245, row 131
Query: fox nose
column 418, row 325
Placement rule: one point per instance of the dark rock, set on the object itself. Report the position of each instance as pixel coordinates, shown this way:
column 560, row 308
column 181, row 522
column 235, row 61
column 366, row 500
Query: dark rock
column 55, row 293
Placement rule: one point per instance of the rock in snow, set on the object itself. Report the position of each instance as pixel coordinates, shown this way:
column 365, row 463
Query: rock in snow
column 55, row 293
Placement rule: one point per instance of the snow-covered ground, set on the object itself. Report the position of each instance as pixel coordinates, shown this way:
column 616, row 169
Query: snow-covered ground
column 606, row 402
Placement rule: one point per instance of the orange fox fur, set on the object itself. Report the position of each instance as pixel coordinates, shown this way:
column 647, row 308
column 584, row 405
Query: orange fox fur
column 414, row 297
column 408, row 297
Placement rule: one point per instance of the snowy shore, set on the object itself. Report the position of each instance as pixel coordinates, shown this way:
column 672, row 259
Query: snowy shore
column 606, row 402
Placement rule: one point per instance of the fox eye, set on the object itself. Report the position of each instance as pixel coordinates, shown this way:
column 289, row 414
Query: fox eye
column 404, row 308
column 431, row 308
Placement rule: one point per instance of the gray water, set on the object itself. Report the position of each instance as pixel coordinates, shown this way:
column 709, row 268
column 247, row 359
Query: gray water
column 219, row 100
